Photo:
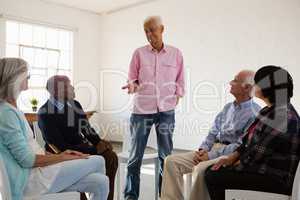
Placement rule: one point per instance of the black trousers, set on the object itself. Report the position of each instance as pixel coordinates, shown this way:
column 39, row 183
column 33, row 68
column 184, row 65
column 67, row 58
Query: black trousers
column 227, row 178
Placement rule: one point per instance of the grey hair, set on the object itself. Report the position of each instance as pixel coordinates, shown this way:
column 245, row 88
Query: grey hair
column 249, row 80
column 157, row 19
column 249, row 77
column 12, row 73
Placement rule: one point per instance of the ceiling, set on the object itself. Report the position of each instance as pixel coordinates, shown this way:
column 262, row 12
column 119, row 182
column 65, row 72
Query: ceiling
column 99, row 6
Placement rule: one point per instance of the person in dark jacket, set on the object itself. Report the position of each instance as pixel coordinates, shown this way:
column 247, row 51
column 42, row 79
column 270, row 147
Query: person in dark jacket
column 64, row 125
column 267, row 159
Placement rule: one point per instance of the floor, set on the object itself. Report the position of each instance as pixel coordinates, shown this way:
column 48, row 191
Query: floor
column 147, row 189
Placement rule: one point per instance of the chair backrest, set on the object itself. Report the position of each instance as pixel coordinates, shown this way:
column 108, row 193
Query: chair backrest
column 296, row 185
column 38, row 134
column 5, row 193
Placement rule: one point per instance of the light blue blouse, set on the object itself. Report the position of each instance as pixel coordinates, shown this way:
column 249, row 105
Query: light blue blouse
column 15, row 151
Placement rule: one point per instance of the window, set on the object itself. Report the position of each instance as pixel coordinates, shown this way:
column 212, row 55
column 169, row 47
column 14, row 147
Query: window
column 48, row 51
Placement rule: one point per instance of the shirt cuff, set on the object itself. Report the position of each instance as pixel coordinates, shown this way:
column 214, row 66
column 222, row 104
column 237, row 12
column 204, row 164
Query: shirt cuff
column 131, row 81
column 212, row 155
column 203, row 148
column 29, row 160
column 179, row 91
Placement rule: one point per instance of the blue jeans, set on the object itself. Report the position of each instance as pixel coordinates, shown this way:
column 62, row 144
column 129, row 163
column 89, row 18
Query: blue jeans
column 84, row 175
column 140, row 127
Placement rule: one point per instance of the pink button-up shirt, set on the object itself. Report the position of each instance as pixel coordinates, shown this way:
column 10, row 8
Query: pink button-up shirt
column 160, row 77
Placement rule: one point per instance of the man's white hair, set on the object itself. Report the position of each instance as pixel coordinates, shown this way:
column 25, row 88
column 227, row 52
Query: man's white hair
column 13, row 71
column 249, row 77
column 157, row 19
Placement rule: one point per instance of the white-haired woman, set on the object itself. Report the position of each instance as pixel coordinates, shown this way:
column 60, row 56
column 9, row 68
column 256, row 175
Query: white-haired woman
column 32, row 172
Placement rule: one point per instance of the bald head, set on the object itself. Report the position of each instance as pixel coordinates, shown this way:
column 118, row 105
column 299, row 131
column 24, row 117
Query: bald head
column 60, row 87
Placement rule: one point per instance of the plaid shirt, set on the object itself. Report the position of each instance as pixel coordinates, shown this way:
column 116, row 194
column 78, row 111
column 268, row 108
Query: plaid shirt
column 273, row 148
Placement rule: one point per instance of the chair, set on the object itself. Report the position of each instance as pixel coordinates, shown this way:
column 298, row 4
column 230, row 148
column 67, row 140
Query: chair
column 40, row 140
column 5, row 192
column 123, row 159
column 255, row 195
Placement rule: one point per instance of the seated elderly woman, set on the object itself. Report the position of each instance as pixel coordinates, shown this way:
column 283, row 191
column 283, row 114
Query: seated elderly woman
column 267, row 159
column 31, row 171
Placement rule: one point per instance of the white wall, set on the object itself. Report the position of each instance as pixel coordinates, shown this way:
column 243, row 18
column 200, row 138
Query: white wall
column 86, row 37
column 217, row 38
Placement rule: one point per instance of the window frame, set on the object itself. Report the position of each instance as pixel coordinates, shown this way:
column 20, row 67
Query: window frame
column 70, row 50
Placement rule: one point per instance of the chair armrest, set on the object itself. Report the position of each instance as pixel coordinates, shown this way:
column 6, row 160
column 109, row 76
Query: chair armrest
column 54, row 148
column 253, row 195
column 296, row 185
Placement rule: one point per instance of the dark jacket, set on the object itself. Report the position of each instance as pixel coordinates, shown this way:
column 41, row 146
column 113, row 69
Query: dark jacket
column 68, row 128
column 274, row 147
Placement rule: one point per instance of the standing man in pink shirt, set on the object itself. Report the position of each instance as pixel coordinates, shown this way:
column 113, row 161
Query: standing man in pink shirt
column 156, row 77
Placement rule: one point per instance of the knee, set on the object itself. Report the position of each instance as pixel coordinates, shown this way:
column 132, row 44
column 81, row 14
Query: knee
column 170, row 162
column 134, row 165
column 200, row 169
column 99, row 163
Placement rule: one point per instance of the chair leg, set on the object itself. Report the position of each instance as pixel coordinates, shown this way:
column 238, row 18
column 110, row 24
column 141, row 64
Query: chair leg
column 118, row 182
column 156, row 163
column 188, row 185
column 83, row 196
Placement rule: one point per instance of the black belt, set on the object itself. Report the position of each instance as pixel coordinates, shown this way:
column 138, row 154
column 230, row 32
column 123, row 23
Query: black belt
column 223, row 142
